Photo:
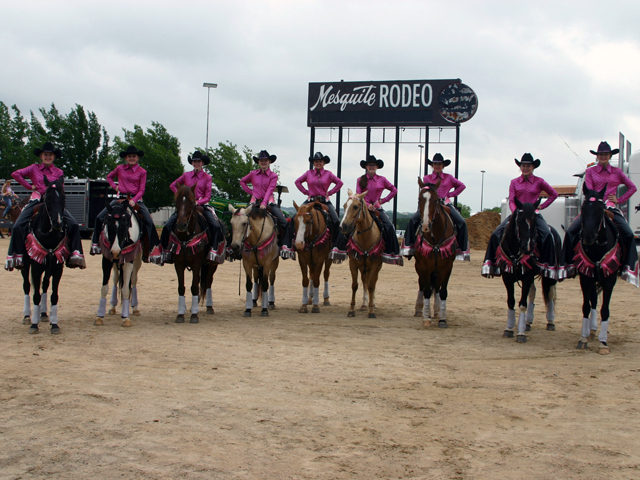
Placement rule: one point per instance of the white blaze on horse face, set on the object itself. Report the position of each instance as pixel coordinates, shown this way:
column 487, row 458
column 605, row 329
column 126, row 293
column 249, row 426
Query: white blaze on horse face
column 346, row 210
column 302, row 230
column 238, row 226
column 115, row 248
column 425, row 212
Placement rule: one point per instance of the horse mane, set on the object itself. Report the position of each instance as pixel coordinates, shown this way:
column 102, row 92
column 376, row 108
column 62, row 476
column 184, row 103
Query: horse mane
column 184, row 190
column 257, row 213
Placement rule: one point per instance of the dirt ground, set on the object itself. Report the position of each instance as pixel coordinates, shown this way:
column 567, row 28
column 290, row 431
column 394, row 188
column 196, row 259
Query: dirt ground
column 315, row 396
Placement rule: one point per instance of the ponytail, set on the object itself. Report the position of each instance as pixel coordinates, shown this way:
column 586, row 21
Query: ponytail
column 363, row 181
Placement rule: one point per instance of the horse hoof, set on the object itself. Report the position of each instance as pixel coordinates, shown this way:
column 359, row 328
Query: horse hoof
column 443, row 324
column 98, row 322
column 194, row 318
column 551, row 327
column 136, row 313
column 34, row 329
column 582, row 345
column 55, row 330
column 247, row 313
column 210, row 311
column 272, row 306
column 521, row 339
column 126, row 322
column 112, row 311
column 418, row 313
column 303, row 309
column 603, row 349
column 592, row 336
column 264, row 312
column 351, row 314
column 426, row 323
column 26, row 320
column 44, row 317
column 507, row 334
column 326, row 302
column 315, row 309
column 372, row 315
column 180, row 319
column 528, row 327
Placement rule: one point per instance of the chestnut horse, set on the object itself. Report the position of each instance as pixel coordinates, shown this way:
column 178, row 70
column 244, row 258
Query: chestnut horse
column 365, row 249
column 313, row 244
column 435, row 253
column 254, row 235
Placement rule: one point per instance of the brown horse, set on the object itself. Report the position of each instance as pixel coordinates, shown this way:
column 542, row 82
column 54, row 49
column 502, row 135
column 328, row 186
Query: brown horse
column 15, row 210
column 188, row 244
column 253, row 234
column 435, row 253
column 364, row 248
column 313, row 244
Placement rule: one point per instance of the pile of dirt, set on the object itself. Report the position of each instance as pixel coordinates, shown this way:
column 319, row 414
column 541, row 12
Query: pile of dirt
column 480, row 228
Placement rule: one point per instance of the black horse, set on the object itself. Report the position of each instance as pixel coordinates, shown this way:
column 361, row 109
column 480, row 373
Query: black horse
column 598, row 257
column 516, row 257
column 47, row 248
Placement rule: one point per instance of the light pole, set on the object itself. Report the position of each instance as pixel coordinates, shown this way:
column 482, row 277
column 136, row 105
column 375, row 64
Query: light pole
column 208, row 86
column 481, row 189
column 420, row 162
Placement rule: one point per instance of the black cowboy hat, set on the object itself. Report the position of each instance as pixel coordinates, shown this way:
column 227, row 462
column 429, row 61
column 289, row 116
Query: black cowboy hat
column 371, row 159
column 438, row 158
column 265, row 154
column 198, row 156
column 604, row 147
column 131, row 150
column 320, row 156
column 47, row 147
column 528, row 158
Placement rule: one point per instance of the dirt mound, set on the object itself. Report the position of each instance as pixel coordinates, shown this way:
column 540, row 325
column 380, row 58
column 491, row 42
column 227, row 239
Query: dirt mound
column 480, row 228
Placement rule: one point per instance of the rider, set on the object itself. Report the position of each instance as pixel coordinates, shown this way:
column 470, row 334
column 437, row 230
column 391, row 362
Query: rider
column 450, row 187
column 318, row 182
column 527, row 188
column 132, row 180
column 36, row 172
column 202, row 182
column 263, row 183
column 7, row 196
column 596, row 178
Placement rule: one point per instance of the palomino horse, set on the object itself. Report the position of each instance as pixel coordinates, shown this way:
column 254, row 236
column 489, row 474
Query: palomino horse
column 516, row 258
column 313, row 244
column 435, row 253
column 189, row 243
column 365, row 248
column 121, row 248
column 47, row 248
column 253, row 234
column 597, row 258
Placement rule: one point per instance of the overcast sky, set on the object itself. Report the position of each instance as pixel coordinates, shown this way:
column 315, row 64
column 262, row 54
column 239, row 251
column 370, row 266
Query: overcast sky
column 552, row 78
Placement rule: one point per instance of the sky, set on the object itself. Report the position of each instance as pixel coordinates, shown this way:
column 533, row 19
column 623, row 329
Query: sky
column 552, row 78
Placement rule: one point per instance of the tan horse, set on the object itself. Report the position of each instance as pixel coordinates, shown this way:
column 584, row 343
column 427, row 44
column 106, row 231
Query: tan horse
column 313, row 244
column 253, row 234
column 365, row 250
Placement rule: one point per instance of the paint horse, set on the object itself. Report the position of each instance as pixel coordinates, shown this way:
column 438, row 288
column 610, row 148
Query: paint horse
column 365, row 248
column 47, row 250
column 516, row 258
column 597, row 258
column 435, row 252
column 313, row 244
column 121, row 246
column 254, row 235
column 188, row 244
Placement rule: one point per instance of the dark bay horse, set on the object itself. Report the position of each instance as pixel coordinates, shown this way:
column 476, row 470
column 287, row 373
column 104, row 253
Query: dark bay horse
column 435, row 253
column 598, row 258
column 253, row 234
column 313, row 244
column 47, row 250
column 365, row 249
column 189, row 243
column 516, row 258
column 121, row 246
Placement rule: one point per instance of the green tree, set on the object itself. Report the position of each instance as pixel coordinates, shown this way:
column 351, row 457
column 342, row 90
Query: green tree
column 465, row 210
column 494, row 209
column 14, row 131
column 161, row 160
column 227, row 167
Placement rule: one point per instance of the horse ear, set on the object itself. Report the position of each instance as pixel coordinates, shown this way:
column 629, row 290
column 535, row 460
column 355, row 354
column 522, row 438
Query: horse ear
column 349, row 192
column 247, row 210
column 109, row 207
column 438, row 184
column 295, row 205
column 362, row 195
column 518, row 204
column 193, row 188
column 46, row 181
column 420, row 183
column 537, row 204
column 602, row 192
column 232, row 209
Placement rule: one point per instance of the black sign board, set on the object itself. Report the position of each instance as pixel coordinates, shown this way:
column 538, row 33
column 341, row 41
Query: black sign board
column 435, row 103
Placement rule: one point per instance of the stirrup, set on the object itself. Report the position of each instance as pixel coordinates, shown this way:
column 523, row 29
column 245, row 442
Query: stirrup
column 95, row 249
column 156, row 256
column 76, row 260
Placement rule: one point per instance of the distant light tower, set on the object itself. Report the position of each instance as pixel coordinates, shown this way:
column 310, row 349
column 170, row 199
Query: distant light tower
column 420, row 162
column 481, row 189
column 208, row 86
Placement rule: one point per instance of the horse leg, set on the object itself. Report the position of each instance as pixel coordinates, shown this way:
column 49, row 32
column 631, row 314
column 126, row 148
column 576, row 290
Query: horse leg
column 53, row 320
column 127, row 270
column 26, row 288
column 302, row 260
column 354, row 287
column 317, row 271
column 443, row 294
column 44, row 317
column 549, row 295
column 195, row 291
column 36, row 273
column 272, row 283
column 531, row 305
column 371, row 287
column 206, row 280
column 182, row 304
column 588, row 287
column 327, row 272
column 256, row 292
column 102, row 306
column 604, row 314
column 522, row 319
column 137, row 263
column 114, row 289
column 509, row 281
column 419, row 304
column 365, row 290
column 264, row 286
column 248, row 270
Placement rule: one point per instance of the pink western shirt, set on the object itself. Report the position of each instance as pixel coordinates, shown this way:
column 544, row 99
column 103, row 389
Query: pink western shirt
column 450, row 186
column 527, row 190
column 131, row 180
column 36, row 173
column 264, row 184
column 598, row 176
column 318, row 183
column 202, row 181
column 376, row 185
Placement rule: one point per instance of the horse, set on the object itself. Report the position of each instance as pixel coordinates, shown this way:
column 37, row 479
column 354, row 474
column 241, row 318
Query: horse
column 47, row 249
column 254, row 235
column 598, row 257
column 516, row 258
column 365, row 249
column 189, row 243
column 313, row 244
column 15, row 210
column 121, row 246
column 435, row 253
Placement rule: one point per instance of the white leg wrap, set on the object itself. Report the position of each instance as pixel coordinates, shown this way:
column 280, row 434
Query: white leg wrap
column 511, row 319
column 594, row 319
column 316, row 295
column 522, row 322
column 586, row 328
column 195, row 307
column 182, row 305
column 102, row 308
column 604, row 331
column 265, row 300
column 256, row 291
column 125, row 308
column 272, row 293
column 426, row 310
column 530, row 307
column 249, row 303
column 443, row 309
column 305, row 295
column 43, row 304
column 27, row 305
column 36, row 315
column 209, row 298
column 134, row 296
column 325, row 294
column 551, row 311
column 436, row 305
column 53, row 318
column 114, row 296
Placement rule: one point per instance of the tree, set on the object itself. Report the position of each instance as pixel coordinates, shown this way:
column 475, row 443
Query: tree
column 227, row 167
column 465, row 210
column 14, row 152
column 161, row 160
